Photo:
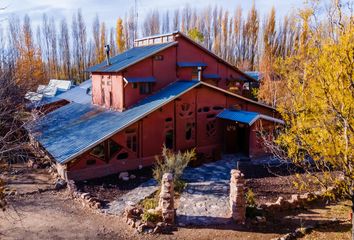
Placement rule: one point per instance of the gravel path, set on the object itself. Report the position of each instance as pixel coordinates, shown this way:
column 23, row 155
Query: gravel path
column 205, row 201
column 132, row 198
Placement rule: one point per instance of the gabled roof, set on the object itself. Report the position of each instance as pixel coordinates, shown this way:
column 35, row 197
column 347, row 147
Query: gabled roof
column 75, row 128
column 245, row 116
column 130, row 57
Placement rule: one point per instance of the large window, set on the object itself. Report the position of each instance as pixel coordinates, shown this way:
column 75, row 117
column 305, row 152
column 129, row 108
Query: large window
column 132, row 141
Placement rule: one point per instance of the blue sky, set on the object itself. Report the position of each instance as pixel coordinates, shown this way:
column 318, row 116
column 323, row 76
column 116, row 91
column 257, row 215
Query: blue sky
column 109, row 10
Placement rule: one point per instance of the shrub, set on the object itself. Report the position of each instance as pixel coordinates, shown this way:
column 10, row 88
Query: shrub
column 179, row 185
column 151, row 217
column 171, row 162
column 149, row 203
column 250, row 198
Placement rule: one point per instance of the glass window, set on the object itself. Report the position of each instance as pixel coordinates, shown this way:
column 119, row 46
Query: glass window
column 132, row 142
column 189, row 131
column 98, row 151
column 145, row 88
column 113, row 148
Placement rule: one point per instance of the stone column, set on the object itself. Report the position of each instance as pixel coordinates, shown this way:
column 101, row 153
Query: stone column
column 237, row 197
column 166, row 201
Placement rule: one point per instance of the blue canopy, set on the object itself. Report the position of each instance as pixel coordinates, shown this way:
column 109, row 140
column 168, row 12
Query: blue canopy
column 245, row 116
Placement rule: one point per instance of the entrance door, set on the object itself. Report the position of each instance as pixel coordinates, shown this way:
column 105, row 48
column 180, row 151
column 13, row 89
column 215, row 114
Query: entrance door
column 236, row 138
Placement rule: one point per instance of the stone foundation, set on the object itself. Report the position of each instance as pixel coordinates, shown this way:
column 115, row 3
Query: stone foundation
column 237, row 197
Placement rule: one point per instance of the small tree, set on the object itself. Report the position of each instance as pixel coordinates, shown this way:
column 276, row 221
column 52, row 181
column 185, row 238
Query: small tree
column 171, row 162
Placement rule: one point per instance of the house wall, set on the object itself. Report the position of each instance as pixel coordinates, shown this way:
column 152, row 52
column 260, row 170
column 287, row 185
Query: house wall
column 196, row 109
column 189, row 52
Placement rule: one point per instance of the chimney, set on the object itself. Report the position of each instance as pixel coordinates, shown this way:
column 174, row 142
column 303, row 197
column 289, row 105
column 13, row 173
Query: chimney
column 199, row 73
column 107, row 49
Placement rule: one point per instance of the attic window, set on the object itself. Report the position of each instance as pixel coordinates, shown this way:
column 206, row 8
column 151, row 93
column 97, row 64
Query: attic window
column 98, row 151
column 158, row 58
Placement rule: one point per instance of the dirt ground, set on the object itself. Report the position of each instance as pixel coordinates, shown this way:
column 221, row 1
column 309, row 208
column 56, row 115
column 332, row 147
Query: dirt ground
column 53, row 215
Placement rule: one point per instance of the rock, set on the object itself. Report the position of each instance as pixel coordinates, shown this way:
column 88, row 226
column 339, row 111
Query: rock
column 60, row 184
column 123, row 175
column 150, row 224
column 132, row 176
column 125, row 178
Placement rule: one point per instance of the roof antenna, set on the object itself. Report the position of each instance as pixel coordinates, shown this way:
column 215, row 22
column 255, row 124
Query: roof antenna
column 107, row 49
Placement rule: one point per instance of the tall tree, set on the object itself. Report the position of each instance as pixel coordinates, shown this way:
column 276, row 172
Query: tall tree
column 103, row 39
column 64, row 50
column 29, row 66
column 120, row 36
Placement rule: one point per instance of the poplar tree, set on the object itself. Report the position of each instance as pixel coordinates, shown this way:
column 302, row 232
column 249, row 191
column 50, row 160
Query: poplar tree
column 120, row 37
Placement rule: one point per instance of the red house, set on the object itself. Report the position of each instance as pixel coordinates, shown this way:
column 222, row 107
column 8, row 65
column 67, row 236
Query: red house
column 166, row 90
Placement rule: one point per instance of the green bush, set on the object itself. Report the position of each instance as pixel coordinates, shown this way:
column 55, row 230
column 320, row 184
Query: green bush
column 151, row 217
column 179, row 186
column 149, row 203
column 171, row 162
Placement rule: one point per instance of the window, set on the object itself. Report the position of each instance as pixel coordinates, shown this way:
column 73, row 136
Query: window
column 189, row 131
column 90, row 162
column 169, row 139
column 98, row 151
column 218, row 108
column 113, row 148
column 132, row 141
column 123, row 155
column 206, row 109
column 145, row 88
column 195, row 74
column 134, row 85
column 168, row 120
column 110, row 99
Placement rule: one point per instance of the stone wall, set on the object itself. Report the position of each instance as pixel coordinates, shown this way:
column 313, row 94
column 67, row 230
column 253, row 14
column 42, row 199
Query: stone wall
column 237, row 197
column 166, row 201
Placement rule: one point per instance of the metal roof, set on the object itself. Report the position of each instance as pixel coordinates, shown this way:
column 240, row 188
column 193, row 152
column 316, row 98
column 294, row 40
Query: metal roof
column 129, row 57
column 255, row 75
column 75, row 128
column 191, row 64
column 211, row 76
column 245, row 116
column 140, row 79
column 80, row 94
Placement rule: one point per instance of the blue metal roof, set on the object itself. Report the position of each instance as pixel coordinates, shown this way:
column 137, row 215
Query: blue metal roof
column 75, row 128
column 191, row 64
column 79, row 94
column 129, row 57
column 239, row 116
column 141, row 79
column 245, row 116
column 255, row 75
column 211, row 76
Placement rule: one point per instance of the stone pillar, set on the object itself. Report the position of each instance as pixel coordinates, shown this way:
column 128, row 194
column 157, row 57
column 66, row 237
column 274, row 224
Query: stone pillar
column 237, row 197
column 166, row 201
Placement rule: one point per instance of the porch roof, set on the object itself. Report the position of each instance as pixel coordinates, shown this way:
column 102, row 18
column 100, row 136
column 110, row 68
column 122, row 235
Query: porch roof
column 245, row 116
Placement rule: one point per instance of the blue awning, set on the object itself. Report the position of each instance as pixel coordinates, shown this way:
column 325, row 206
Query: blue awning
column 211, row 76
column 245, row 116
column 141, row 80
column 191, row 64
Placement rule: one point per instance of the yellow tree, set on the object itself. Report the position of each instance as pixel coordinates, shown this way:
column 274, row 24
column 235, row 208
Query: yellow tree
column 318, row 107
column 120, row 38
column 29, row 65
column 101, row 53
